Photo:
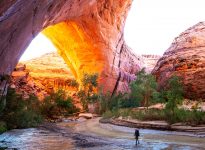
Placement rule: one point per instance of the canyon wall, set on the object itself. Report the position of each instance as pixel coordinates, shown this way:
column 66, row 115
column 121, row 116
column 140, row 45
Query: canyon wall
column 41, row 76
column 150, row 61
column 185, row 58
column 87, row 33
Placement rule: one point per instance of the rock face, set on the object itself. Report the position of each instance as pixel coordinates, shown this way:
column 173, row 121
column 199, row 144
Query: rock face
column 150, row 62
column 87, row 33
column 186, row 58
column 24, row 84
column 51, row 71
column 41, row 76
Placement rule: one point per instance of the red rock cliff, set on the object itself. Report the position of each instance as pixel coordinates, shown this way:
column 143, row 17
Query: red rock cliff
column 43, row 75
column 186, row 58
column 87, row 33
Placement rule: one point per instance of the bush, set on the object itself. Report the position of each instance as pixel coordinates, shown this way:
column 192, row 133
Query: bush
column 108, row 114
column 89, row 88
column 73, row 83
column 151, row 114
column 186, row 116
column 20, row 113
column 174, row 93
column 3, row 127
column 183, row 116
column 116, row 101
column 2, row 105
column 23, row 119
column 144, row 89
column 58, row 104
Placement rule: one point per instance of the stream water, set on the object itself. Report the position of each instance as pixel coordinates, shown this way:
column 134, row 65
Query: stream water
column 90, row 134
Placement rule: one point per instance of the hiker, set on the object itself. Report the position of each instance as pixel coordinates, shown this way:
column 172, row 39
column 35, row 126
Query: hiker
column 137, row 134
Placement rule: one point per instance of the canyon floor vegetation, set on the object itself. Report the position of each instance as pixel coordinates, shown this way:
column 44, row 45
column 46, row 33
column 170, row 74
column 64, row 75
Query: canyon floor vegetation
column 23, row 113
column 26, row 113
column 144, row 93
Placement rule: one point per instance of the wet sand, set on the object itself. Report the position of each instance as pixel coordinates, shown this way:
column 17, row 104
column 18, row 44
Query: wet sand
column 92, row 135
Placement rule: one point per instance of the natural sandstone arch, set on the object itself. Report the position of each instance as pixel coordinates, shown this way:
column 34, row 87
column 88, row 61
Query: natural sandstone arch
column 77, row 48
column 91, row 29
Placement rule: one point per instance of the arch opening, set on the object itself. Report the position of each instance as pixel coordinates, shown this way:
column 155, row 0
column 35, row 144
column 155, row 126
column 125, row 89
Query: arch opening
column 41, row 71
column 90, row 40
column 77, row 49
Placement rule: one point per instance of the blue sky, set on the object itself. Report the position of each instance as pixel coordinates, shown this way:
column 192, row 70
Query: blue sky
column 150, row 28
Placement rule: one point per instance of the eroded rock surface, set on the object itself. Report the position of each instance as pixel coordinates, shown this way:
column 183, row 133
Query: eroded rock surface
column 51, row 71
column 42, row 76
column 150, row 62
column 87, row 33
column 186, row 58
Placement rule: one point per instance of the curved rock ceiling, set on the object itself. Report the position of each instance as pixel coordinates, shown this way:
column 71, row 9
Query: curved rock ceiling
column 87, row 33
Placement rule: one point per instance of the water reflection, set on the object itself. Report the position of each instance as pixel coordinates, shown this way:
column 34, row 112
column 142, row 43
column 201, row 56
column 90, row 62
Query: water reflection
column 91, row 135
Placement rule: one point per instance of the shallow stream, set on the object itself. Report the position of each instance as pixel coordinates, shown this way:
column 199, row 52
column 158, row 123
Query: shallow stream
column 90, row 134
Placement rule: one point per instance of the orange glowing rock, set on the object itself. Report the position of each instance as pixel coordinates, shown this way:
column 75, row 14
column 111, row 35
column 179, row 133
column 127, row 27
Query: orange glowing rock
column 76, row 48
column 88, row 35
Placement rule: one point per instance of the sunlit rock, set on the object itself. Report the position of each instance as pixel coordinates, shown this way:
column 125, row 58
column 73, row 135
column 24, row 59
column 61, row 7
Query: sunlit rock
column 186, row 58
column 150, row 61
column 86, row 115
column 87, row 33
column 42, row 76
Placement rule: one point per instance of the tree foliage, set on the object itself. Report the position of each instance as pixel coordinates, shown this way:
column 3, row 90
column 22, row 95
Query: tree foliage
column 21, row 113
column 57, row 103
column 73, row 83
column 144, row 89
column 174, row 94
column 88, row 92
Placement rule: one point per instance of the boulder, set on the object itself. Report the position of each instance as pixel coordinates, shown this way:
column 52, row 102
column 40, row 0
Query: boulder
column 86, row 115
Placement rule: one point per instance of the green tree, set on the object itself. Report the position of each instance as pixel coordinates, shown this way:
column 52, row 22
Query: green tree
column 73, row 83
column 144, row 88
column 57, row 103
column 89, row 89
column 174, row 94
column 21, row 113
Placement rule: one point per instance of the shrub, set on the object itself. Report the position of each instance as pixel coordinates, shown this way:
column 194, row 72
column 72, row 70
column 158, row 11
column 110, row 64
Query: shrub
column 186, row 116
column 58, row 104
column 73, row 83
column 107, row 114
column 110, row 102
column 3, row 127
column 2, row 104
column 150, row 114
column 103, row 101
column 20, row 113
column 144, row 88
column 174, row 95
column 89, row 88
column 175, row 90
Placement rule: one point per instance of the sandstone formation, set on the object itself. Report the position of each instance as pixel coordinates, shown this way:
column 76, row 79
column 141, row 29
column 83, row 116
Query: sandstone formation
column 150, row 61
column 50, row 71
column 41, row 76
column 186, row 58
column 87, row 33
column 24, row 84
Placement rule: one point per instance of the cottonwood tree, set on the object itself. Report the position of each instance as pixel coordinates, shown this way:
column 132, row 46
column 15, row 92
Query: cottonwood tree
column 174, row 93
column 144, row 88
column 88, row 91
